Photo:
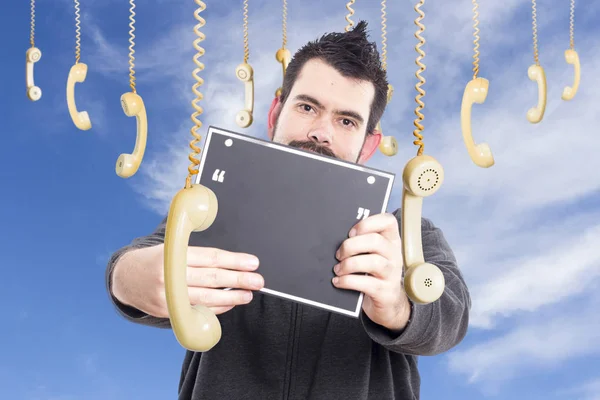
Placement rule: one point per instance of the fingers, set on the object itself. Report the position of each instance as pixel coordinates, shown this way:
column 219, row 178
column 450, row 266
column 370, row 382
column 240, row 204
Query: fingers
column 218, row 298
column 373, row 264
column 217, row 258
column 224, row 278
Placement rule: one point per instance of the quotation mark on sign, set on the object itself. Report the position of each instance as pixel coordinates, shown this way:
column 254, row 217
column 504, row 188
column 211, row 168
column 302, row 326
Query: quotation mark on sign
column 363, row 213
column 218, row 175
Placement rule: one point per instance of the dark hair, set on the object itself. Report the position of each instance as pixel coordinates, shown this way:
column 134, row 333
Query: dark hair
column 353, row 56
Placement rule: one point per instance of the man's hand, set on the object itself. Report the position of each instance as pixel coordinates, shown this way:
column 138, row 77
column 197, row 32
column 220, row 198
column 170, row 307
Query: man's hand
column 138, row 279
column 374, row 247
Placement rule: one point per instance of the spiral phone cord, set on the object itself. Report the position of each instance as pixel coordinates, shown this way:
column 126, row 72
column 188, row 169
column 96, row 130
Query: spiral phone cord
column 131, row 45
column 421, row 92
column 77, row 33
column 350, row 13
column 571, row 22
column 383, row 37
column 199, row 81
column 476, row 40
column 284, row 27
column 246, row 49
column 535, row 40
column 32, row 36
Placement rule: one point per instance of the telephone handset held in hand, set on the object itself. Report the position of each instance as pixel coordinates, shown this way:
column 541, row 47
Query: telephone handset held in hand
column 423, row 282
column 572, row 58
column 193, row 209
column 475, row 92
column 33, row 55
column 77, row 74
column 133, row 106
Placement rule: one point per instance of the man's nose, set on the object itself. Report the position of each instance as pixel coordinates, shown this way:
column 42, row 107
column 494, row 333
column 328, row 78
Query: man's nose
column 321, row 134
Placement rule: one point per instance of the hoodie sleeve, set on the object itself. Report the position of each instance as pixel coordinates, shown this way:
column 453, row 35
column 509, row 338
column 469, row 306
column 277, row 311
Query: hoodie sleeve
column 436, row 327
column 129, row 313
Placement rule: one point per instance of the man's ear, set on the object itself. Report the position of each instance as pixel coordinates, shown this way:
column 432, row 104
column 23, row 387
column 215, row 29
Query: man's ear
column 370, row 146
column 274, row 112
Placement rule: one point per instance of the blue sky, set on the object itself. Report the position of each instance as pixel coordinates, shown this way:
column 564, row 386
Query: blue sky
column 525, row 231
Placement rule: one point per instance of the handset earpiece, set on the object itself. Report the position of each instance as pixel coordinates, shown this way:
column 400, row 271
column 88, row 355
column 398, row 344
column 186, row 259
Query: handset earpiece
column 193, row 209
column 32, row 56
column 475, row 92
column 284, row 57
column 245, row 73
column 423, row 282
column 133, row 106
column 77, row 74
column 572, row 57
column 388, row 145
column 536, row 73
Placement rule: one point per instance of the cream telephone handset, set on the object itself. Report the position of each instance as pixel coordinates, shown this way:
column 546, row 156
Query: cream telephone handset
column 422, row 176
column 133, row 106
column 193, row 209
column 77, row 74
column 388, row 145
column 245, row 73
column 423, row 282
column 33, row 55
column 536, row 73
column 475, row 92
column 283, row 55
column 571, row 57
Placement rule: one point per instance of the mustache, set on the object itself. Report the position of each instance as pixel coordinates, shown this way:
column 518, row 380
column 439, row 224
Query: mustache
column 312, row 146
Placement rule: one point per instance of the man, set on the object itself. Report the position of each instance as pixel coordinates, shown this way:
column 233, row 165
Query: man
column 333, row 95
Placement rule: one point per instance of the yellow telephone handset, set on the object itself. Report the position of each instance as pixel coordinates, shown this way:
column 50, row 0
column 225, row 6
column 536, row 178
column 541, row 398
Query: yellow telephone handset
column 423, row 282
column 572, row 57
column 32, row 56
column 245, row 73
column 536, row 73
column 388, row 145
column 133, row 106
column 475, row 92
column 77, row 74
column 193, row 209
column 284, row 57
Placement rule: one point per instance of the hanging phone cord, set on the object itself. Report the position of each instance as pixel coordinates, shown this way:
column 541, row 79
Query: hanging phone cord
column 383, row 37
column 77, row 33
column 246, row 49
column 131, row 45
column 571, row 19
column 350, row 13
column 476, row 41
column 421, row 92
column 32, row 37
column 535, row 41
column 284, row 27
column 199, row 81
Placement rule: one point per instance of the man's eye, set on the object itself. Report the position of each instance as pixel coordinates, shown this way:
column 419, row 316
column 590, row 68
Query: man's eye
column 306, row 107
column 347, row 122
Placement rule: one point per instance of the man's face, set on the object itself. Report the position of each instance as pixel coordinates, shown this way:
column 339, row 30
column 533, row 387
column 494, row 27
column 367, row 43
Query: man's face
column 326, row 113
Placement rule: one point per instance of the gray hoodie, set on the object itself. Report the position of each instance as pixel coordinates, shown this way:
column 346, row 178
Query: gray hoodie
column 275, row 349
